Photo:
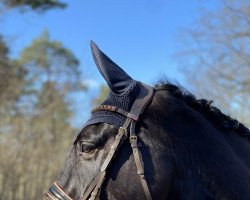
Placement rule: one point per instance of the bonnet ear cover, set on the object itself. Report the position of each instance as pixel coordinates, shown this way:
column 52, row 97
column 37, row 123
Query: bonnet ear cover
column 118, row 80
column 124, row 90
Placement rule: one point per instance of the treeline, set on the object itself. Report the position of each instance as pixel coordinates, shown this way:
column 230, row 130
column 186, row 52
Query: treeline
column 35, row 113
column 35, row 128
column 215, row 57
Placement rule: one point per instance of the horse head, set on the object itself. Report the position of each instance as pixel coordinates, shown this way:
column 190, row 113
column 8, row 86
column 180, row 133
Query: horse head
column 154, row 143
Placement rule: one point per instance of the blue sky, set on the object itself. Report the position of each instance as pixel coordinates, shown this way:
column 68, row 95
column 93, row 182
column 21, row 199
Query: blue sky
column 140, row 36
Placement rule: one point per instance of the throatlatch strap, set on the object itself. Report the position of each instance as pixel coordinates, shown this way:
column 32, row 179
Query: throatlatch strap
column 138, row 160
column 96, row 184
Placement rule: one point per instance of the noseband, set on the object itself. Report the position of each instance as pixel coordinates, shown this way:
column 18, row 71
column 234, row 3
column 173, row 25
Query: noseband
column 94, row 188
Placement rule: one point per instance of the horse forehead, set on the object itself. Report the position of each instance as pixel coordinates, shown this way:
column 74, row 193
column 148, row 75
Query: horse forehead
column 97, row 130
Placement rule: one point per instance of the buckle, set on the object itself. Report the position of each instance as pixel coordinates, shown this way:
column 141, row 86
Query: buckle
column 133, row 141
column 122, row 132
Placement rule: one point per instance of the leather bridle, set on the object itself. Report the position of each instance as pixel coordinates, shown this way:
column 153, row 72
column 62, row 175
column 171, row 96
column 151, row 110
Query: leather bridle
column 94, row 188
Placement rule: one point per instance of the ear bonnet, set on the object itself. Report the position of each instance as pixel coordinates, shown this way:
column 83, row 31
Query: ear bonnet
column 124, row 91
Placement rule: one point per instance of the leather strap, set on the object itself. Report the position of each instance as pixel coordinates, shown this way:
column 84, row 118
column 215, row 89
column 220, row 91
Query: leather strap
column 97, row 189
column 145, row 96
column 96, row 184
column 91, row 186
column 116, row 110
column 138, row 161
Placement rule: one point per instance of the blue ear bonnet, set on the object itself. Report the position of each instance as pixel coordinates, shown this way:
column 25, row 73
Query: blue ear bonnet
column 124, row 90
column 124, row 102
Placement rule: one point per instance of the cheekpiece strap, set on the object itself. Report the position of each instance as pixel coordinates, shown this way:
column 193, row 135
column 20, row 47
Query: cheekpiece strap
column 94, row 189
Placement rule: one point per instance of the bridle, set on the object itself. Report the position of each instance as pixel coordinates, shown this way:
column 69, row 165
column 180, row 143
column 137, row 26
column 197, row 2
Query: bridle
column 55, row 192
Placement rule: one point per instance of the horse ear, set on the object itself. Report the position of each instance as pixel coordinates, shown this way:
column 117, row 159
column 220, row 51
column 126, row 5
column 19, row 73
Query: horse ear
column 118, row 80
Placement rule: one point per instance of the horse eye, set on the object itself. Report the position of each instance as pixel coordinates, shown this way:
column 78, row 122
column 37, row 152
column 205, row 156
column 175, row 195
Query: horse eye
column 86, row 147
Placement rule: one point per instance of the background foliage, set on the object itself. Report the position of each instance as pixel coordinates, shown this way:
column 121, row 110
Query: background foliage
column 215, row 55
column 37, row 90
column 35, row 128
column 41, row 5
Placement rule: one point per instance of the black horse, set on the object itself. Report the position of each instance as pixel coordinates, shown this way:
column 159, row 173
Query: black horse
column 187, row 148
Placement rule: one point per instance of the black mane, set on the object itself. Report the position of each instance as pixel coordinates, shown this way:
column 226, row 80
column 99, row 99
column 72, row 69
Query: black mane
column 203, row 106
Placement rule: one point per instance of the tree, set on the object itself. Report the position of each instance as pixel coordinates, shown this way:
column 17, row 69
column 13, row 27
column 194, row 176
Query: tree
column 11, row 80
column 49, row 61
column 37, row 137
column 35, row 128
column 216, row 49
column 40, row 5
